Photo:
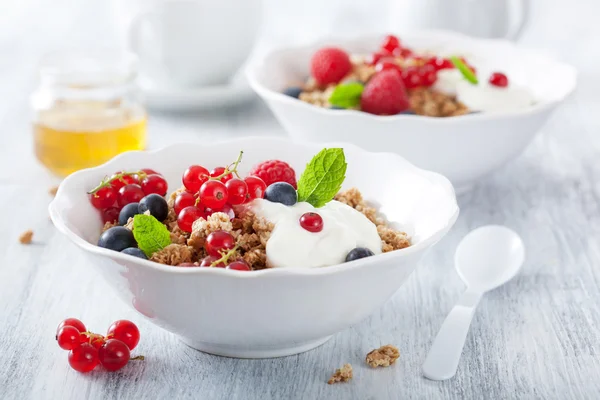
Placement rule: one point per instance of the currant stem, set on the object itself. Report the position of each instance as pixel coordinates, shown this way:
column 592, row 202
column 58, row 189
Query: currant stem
column 137, row 358
column 225, row 256
column 232, row 168
column 108, row 180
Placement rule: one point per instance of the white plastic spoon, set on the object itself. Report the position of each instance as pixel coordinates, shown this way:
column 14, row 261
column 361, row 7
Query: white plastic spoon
column 486, row 258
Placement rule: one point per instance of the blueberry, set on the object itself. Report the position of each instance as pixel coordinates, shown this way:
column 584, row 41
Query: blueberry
column 336, row 108
column 127, row 212
column 293, row 91
column 134, row 251
column 156, row 204
column 408, row 112
column 281, row 192
column 117, row 238
column 359, row 252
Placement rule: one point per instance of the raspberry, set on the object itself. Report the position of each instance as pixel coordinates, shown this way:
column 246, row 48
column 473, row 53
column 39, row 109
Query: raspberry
column 330, row 65
column 272, row 171
column 385, row 94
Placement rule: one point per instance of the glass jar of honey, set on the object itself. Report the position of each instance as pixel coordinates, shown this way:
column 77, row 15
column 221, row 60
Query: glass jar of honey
column 87, row 109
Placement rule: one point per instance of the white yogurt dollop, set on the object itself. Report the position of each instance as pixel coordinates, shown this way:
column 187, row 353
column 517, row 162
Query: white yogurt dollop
column 290, row 245
column 483, row 96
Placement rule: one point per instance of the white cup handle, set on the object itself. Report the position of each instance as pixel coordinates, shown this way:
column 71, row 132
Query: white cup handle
column 134, row 35
column 517, row 29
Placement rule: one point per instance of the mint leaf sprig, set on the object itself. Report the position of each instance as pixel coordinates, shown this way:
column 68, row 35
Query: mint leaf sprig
column 323, row 177
column 466, row 72
column 151, row 235
column 347, row 95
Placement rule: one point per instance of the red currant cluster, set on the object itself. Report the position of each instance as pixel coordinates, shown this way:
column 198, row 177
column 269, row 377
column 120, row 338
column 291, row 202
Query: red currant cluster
column 123, row 188
column 215, row 191
column 423, row 72
column 87, row 349
column 221, row 247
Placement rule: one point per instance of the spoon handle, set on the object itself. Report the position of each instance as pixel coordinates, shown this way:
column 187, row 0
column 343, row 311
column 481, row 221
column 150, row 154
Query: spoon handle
column 442, row 361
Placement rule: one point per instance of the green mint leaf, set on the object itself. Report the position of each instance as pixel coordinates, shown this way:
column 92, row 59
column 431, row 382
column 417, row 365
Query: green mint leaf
column 346, row 95
column 323, row 177
column 150, row 234
column 464, row 70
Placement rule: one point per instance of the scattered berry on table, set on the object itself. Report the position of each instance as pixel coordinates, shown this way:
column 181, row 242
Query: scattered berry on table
column 117, row 238
column 498, row 79
column 113, row 355
column 237, row 190
column 127, row 212
column 156, row 204
column 131, row 193
column 329, row 65
column 68, row 337
column 357, row 253
column 256, row 187
column 74, row 322
column 213, row 194
column 385, row 94
column 110, row 214
column 293, row 91
column 83, row 358
column 104, row 198
column 134, row 251
column 239, row 266
column 272, row 171
column 217, row 242
column 390, row 43
column 125, row 331
column 312, row 222
column 220, row 171
column 188, row 216
column 183, row 200
column 154, row 184
column 281, row 192
column 194, row 177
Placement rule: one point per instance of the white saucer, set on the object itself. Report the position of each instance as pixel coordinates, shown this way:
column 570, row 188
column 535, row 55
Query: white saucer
column 194, row 99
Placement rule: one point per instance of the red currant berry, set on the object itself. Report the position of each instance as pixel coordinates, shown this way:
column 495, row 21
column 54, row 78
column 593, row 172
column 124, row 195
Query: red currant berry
column 98, row 341
column 110, row 215
column 183, row 200
column 219, row 241
column 226, row 210
column 411, row 78
column 239, row 266
column 154, row 184
column 118, row 183
column 402, row 52
column 125, row 331
column 390, row 43
column 114, row 354
column 131, row 193
column 149, row 171
column 440, row 63
column 209, row 260
column 213, row 194
column 498, row 79
column 374, row 58
column 194, row 177
column 68, row 337
column 219, row 171
column 386, row 64
column 83, row 358
column 104, row 198
column 236, row 191
column 312, row 222
column 74, row 322
column 428, row 75
column 187, row 264
column 188, row 216
column 256, row 187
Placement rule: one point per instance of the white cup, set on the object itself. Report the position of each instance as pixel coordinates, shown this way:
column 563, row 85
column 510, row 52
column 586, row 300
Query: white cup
column 187, row 43
column 480, row 18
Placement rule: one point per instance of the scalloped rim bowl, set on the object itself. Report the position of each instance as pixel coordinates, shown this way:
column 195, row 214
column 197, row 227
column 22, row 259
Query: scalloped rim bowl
column 280, row 311
column 463, row 148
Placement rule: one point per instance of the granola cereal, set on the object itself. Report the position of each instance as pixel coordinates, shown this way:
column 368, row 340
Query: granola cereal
column 174, row 254
column 343, row 374
column 383, row 356
column 26, row 237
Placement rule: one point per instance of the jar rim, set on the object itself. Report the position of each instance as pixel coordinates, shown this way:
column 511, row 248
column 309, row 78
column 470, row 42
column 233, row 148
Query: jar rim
column 88, row 68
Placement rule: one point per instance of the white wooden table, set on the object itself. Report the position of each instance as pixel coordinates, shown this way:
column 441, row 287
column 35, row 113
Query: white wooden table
column 536, row 338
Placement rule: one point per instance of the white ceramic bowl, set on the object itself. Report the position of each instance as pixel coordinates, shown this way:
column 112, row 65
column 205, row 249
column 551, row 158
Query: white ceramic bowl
column 273, row 312
column 463, row 148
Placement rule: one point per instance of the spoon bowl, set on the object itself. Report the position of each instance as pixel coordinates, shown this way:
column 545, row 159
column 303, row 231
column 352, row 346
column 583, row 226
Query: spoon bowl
column 488, row 257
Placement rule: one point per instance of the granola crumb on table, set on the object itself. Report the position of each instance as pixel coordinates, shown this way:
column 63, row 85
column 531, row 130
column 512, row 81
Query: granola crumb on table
column 26, row 237
column 343, row 374
column 52, row 191
column 383, row 356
